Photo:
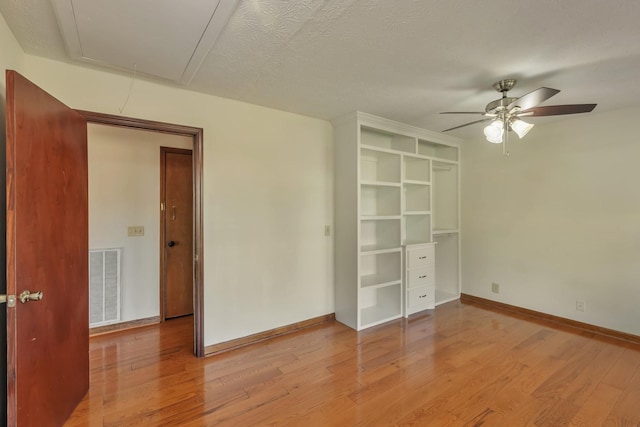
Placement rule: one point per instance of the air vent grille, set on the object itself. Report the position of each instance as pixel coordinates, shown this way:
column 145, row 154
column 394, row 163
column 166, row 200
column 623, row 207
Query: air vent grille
column 104, row 286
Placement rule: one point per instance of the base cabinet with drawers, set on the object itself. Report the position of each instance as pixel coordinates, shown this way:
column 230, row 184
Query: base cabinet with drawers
column 395, row 195
column 420, row 278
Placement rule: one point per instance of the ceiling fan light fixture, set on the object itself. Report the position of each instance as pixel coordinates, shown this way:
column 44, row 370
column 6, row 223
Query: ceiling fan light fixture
column 494, row 131
column 504, row 113
column 520, row 127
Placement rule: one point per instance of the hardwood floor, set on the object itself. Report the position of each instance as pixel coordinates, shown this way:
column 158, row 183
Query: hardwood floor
column 462, row 365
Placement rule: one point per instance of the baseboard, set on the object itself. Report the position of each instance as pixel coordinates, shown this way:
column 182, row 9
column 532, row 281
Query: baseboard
column 116, row 327
column 470, row 299
column 266, row 335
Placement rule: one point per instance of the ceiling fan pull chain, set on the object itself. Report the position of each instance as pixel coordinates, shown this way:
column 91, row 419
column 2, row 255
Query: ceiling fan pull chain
column 505, row 149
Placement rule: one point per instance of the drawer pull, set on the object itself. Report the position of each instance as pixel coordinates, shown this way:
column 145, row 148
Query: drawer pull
column 422, row 277
column 422, row 257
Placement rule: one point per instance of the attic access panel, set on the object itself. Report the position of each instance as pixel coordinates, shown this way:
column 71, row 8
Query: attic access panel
column 162, row 38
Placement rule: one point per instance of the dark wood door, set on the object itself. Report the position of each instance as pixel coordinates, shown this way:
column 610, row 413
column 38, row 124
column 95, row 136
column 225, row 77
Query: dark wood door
column 47, row 250
column 177, row 253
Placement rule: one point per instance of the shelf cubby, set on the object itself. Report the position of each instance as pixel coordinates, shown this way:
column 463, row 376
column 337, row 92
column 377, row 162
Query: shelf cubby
column 445, row 196
column 417, row 198
column 379, row 234
column 447, row 269
column 431, row 149
column 387, row 140
column 380, row 305
column 379, row 200
column 380, row 269
column 378, row 166
column 417, row 229
column 417, row 169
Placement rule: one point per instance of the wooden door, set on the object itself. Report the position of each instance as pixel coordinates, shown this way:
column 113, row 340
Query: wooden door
column 47, row 250
column 177, row 236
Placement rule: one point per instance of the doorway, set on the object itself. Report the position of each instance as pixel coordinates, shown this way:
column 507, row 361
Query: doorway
column 197, row 235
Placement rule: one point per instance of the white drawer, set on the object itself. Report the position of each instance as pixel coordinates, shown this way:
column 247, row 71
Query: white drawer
column 421, row 276
column 420, row 256
column 422, row 297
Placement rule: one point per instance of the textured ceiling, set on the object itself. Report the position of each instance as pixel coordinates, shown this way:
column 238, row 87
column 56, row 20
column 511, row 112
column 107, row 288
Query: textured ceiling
column 404, row 60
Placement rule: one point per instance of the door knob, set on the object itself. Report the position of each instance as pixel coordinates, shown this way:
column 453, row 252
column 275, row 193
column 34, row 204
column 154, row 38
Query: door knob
column 171, row 243
column 30, row 296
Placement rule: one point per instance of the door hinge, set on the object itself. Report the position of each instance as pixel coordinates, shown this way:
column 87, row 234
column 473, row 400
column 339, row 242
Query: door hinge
column 161, row 206
column 9, row 299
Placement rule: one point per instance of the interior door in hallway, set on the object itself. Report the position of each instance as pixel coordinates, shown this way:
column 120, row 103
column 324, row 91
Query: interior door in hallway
column 47, row 250
column 177, row 232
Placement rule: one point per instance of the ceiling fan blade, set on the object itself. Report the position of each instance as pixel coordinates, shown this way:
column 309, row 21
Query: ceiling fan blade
column 557, row 110
column 467, row 124
column 464, row 112
column 532, row 99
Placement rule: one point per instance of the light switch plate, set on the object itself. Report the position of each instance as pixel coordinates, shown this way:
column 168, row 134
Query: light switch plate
column 135, row 231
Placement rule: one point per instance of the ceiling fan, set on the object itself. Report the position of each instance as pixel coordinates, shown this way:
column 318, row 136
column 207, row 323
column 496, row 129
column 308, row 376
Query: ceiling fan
column 506, row 113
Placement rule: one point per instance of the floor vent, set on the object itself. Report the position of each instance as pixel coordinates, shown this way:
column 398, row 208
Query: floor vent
column 104, row 286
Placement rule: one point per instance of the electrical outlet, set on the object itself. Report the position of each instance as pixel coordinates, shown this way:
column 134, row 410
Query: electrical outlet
column 135, row 231
column 580, row 305
column 495, row 288
column 327, row 230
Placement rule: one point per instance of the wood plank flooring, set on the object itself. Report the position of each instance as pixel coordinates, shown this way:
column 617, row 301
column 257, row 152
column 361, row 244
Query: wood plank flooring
column 462, row 365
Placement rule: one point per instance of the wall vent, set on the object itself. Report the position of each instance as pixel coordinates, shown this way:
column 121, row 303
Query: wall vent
column 104, row 286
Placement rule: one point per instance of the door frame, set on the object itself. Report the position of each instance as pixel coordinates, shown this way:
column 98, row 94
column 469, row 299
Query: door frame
column 163, row 225
column 198, row 244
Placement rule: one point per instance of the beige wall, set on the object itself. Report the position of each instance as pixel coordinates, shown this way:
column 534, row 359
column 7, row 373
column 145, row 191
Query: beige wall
column 267, row 195
column 11, row 57
column 124, row 190
column 11, row 54
column 558, row 220
column 555, row 222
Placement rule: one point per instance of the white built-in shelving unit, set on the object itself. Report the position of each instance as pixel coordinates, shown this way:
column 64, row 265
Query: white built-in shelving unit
column 396, row 193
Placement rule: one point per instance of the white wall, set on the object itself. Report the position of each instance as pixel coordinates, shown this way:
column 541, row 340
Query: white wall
column 124, row 190
column 558, row 220
column 267, row 195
